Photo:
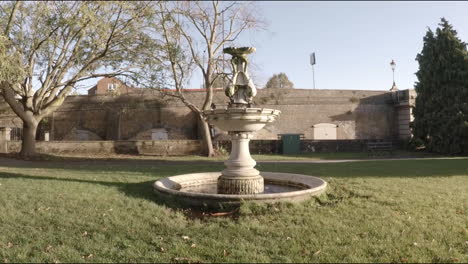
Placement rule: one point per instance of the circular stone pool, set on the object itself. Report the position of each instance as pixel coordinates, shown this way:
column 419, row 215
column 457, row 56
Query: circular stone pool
column 199, row 189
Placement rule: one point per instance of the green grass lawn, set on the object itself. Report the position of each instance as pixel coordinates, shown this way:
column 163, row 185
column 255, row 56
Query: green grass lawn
column 105, row 211
column 258, row 157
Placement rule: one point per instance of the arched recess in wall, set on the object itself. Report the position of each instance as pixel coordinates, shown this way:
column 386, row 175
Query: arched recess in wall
column 152, row 134
column 81, row 135
column 325, row 131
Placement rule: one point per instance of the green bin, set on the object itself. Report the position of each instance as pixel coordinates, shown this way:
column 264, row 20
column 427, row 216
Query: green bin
column 291, row 143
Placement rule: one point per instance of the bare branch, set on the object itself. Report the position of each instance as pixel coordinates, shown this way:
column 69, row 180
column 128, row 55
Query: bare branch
column 6, row 32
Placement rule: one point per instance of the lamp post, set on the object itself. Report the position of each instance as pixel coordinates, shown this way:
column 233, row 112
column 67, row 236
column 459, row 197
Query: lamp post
column 393, row 65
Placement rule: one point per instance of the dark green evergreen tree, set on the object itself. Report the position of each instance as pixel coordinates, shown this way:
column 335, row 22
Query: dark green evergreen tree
column 441, row 111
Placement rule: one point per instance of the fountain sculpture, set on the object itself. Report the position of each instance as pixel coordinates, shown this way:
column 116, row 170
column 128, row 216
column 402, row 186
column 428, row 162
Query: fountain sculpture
column 239, row 180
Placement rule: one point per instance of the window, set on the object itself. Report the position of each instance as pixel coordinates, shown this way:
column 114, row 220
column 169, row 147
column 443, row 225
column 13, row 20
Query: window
column 111, row 87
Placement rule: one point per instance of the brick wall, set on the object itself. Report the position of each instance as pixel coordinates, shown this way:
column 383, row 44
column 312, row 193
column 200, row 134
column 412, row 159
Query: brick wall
column 358, row 114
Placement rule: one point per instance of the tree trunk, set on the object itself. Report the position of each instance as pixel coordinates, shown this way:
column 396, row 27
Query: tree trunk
column 207, row 144
column 28, row 146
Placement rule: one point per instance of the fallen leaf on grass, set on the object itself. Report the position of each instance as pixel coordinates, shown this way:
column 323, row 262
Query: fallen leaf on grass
column 85, row 233
column 317, row 252
column 43, row 209
column 193, row 245
column 222, row 213
column 9, row 245
column 454, row 259
column 181, row 259
column 225, row 253
column 162, row 249
column 87, row 256
column 185, row 237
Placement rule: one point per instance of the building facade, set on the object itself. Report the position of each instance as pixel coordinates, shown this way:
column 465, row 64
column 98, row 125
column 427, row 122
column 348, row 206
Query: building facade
column 110, row 85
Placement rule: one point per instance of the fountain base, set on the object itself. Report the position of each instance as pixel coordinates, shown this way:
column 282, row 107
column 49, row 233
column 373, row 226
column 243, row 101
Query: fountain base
column 200, row 189
column 240, row 185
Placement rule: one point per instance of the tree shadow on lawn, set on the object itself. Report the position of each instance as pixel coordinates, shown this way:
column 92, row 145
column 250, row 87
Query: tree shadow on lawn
column 144, row 190
column 111, row 159
column 139, row 190
column 426, row 167
column 439, row 167
column 413, row 168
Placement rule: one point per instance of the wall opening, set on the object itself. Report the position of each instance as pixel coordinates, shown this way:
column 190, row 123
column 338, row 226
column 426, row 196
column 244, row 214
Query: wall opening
column 324, row 131
column 159, row 134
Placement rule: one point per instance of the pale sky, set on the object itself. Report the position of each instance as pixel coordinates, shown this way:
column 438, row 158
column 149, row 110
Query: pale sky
column 354, row 42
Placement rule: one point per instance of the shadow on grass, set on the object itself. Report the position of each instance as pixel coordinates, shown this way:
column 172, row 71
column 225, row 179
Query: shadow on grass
column 445, row 167
column 427, row 167
column 376, row 168
column 140, row 190
column 108, row 164
column 395, row 154
column 43, row 157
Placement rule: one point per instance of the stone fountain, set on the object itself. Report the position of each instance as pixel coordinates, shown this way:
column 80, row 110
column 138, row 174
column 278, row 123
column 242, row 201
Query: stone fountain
column 239, row 181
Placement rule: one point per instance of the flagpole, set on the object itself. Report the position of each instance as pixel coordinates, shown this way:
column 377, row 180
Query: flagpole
column 312, row 63
column 313, row 75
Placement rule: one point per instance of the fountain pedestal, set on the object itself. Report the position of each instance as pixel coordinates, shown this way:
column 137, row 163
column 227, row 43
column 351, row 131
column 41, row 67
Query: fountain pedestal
column 239, row 181
column 240, row 176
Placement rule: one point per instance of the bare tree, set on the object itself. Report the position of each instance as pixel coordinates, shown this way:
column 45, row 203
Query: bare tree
column 60, row 44
column 194, row 34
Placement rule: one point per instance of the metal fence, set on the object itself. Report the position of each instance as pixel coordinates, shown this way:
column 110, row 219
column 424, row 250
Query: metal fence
column 16, row 133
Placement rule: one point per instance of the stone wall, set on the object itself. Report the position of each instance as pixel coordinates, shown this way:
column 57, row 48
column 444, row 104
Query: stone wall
column 121, row 118
column 182, row 147
column 158, row 148
column 358, row 114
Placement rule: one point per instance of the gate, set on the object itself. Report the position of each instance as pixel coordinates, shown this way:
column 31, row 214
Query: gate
column 16, row 134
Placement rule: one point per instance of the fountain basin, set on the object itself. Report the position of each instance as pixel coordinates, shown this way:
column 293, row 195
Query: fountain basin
column 199, row 189
column 241, row 119
column 239, row 51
